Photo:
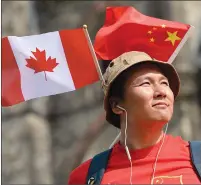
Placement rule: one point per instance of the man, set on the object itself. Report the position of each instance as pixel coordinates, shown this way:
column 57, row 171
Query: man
column 139, row 99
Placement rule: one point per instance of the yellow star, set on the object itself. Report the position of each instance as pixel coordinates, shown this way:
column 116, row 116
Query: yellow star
column 163, row 25
column 172, row 37
column 152, row 39
column 149, row 32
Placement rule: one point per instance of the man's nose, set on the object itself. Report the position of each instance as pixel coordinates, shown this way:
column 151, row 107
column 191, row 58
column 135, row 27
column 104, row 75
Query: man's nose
column 159, row 92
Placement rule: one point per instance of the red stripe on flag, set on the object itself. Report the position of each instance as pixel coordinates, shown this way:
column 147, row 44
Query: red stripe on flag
column 11, row 84
column 79, row 58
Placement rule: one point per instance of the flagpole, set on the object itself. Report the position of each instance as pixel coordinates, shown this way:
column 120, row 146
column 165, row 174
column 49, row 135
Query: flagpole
column 93, row 54
column 115, row 140
column 181, row 44
column 98, row 69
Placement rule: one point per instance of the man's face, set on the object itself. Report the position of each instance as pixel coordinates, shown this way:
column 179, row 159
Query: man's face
column 148, row 97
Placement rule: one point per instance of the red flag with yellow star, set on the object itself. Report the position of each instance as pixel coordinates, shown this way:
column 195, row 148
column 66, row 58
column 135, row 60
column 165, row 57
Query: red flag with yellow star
column 125, row 29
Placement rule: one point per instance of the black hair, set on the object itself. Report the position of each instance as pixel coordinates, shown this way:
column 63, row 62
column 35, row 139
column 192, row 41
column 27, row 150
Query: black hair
column 117, row 90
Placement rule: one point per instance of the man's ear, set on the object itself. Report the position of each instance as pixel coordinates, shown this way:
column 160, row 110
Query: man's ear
column 113, row 103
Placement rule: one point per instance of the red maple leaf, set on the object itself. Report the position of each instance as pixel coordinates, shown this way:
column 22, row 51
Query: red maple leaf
column 40, row 63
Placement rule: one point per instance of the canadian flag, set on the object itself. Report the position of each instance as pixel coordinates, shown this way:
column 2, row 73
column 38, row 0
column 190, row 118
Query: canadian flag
column 45, row 64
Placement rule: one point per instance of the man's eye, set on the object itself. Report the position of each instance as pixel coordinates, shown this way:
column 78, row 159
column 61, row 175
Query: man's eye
column 145, row 83
column 165, row 83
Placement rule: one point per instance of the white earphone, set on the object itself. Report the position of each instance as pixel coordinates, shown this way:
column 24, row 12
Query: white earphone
column 121, row 108
column 127, row 151
column 126, row 147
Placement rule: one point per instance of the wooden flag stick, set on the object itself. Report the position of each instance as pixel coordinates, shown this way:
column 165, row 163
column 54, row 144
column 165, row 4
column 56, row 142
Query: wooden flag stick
column 98, row 69
column 115, row 140
column 93, row 54
column 181, row 44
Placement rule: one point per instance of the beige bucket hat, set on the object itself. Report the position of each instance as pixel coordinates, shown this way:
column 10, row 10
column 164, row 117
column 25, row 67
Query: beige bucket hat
column 125, row 61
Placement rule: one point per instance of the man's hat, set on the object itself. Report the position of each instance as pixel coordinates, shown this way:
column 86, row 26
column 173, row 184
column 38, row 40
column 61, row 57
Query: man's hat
column 124, row 62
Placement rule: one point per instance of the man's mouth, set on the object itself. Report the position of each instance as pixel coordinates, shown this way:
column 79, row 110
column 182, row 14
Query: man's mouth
column 160, row 105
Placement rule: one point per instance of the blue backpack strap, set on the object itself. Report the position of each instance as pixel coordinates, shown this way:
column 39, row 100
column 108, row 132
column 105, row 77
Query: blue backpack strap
column 195, row 150
column 97, row 167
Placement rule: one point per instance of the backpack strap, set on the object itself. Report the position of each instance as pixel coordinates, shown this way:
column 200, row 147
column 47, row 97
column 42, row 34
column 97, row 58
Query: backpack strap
column 97, row 167
column 195, row 150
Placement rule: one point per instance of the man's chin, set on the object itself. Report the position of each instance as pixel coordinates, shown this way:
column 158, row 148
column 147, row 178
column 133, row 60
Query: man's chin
column 162, row 115
column 161, row 118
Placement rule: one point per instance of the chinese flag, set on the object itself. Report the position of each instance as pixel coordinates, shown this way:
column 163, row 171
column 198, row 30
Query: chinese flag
column 125, row 29
column 46, row 64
